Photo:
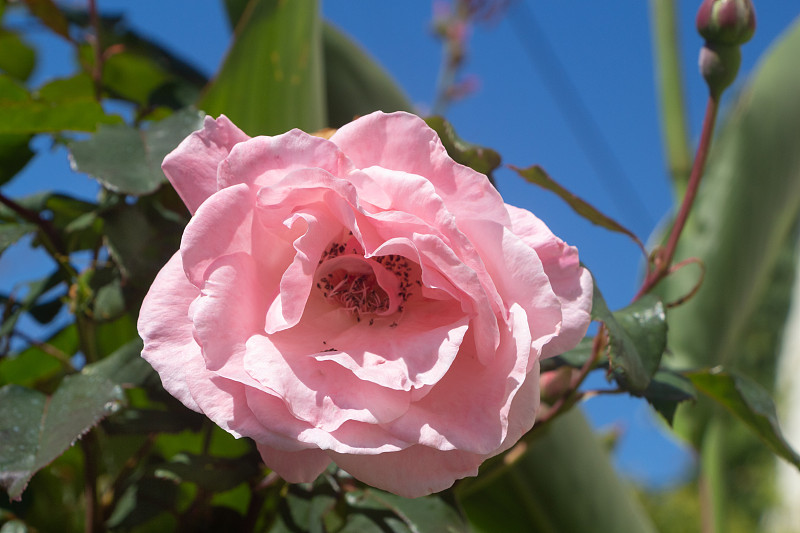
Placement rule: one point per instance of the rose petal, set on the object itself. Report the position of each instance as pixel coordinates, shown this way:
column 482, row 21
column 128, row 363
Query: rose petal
column 230, row 310
column 520, row 278
column 468, row 409
column 222, row 225
column 166, row 330
column 350, row 437
column 413, row 472
column 402, row 141
column 192, row 166
column 295, row 467
column 264, row 161
column 321, row 393
column 571, row 283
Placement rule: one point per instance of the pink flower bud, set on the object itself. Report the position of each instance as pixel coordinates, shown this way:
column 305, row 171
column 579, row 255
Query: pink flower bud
column 726, row 22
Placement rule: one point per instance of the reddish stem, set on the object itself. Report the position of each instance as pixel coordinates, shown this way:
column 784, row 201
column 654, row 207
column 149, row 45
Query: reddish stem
column 663, row 259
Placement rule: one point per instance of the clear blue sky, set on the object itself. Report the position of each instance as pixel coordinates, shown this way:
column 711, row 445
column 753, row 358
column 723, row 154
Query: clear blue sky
column 607, row 53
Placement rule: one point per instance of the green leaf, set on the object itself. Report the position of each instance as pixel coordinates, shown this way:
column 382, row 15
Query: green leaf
column 215, row 474
column 431, row 514
column 124, row 366
column 142, row 501
column 483, row 160
column 11, row 233
column 666, row 390
column 149, row 421
column 574, row 358
column 538, row 176
column 15, row 153
column 18, row 59
column 355, row 83
column 559, row 480
column 128, row 160
column 637, row 339
column 47, row 12
column 36, row 428
column 61, row 105
column 749, row 402
column 272, row 79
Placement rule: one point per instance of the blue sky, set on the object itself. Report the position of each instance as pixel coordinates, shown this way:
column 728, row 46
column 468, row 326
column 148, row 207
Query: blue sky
column 605, row 51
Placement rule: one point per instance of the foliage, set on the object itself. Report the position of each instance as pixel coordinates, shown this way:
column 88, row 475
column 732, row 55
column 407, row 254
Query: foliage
column 85, row 422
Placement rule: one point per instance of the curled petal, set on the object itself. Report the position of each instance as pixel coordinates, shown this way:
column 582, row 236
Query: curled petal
column 192, row 166
column 295, row 467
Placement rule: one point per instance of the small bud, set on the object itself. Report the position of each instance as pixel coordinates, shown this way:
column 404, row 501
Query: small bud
column 719, row 65
column 727, row 22
column 554, row 384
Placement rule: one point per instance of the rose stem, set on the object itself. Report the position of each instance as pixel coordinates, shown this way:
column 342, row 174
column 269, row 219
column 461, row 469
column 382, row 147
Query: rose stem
column 664, row 258
column 97, row 68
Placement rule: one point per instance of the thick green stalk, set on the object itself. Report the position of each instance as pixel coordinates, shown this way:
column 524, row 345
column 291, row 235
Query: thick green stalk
column 712, row 478
column 669, row 81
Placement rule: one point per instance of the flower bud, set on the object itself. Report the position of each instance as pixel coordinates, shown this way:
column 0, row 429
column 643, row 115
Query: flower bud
column 728, row 22
column 719, row 65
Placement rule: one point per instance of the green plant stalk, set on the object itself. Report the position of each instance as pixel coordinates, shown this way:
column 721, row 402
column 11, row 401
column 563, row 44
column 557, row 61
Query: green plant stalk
column 669, row 82
column 712, row 478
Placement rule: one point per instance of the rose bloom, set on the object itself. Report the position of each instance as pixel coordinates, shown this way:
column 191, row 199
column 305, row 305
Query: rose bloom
column 363, row 300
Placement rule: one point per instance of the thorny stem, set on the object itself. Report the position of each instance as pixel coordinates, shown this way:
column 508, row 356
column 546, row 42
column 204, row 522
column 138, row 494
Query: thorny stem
column 47, row 234
column 97, row 68
column 94, row 517
column 571, row 395
column 663, row 258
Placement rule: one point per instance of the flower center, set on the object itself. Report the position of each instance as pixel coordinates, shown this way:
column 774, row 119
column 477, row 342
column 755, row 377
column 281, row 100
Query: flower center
column 378, row 286
column 356, row 292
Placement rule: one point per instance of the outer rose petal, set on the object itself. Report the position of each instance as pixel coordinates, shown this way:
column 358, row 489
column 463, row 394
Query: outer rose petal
column 192, row 166
column 413, row 472
column 165, row 327
column 402, row 141
column 264, row 161
column 571, row 282
column 295, row 467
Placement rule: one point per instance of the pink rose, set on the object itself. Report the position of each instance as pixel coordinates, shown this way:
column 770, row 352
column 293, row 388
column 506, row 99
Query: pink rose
column 363, row 300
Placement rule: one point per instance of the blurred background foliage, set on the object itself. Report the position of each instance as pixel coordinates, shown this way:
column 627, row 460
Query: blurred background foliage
column 146, row 463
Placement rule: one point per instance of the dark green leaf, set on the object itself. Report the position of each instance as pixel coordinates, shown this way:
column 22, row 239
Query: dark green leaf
column 272, row 79
column 538, row 176
column 32, row 367
column 143, row 501
column 26, row 303
column 61, row 105
column 666, row 390
column 483, row 160
column 355, row 83
column 128, row 160
column 749, row 402
column 46, row 311
column 431, row 514
column 14, row 155
column 124, row 366
column 560, row 480
column 574, row 358
column 637, row 339
column 147, row 421
column 17, row 59
column 36, row 429
column 50, row 15
column 211, row 473
column 235, row 9
column 11, row 233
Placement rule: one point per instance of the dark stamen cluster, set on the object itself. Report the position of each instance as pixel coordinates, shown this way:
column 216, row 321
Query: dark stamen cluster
column 402, row 269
